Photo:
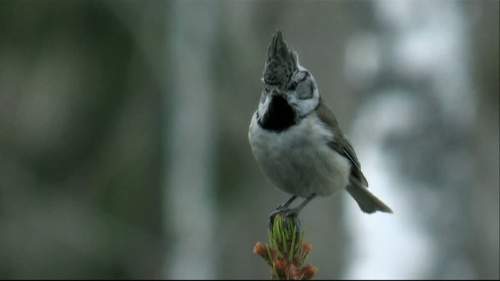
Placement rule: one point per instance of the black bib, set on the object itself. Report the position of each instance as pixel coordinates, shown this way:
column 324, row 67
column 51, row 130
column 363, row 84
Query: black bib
column 279, row 116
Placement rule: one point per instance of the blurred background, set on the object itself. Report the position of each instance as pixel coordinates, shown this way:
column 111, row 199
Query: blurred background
column 123, row 136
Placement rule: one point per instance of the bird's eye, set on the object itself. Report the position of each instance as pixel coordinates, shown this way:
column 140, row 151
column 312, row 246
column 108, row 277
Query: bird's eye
column 292, row 86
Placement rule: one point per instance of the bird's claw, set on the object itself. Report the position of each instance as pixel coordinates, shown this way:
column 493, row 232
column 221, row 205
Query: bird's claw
column 291, row 213
column 285, row 212
column 273, row 214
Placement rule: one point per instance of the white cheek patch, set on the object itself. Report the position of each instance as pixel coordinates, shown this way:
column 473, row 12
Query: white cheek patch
column 264, row 105
column 304, row 107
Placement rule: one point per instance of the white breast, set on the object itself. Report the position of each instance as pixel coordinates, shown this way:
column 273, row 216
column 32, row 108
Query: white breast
column 298, row 160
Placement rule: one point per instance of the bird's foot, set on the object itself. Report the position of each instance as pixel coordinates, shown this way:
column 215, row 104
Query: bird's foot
column 292, row 213
column 274, row 213
column 288, row 213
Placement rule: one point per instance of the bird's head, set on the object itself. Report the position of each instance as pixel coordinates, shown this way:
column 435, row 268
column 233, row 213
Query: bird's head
column 284, row 78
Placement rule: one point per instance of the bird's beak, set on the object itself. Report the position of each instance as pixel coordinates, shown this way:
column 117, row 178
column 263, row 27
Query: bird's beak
column 278, row 92
column 281, row 62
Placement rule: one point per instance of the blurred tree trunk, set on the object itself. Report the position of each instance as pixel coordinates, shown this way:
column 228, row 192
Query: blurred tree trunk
column 189, row 213
column 426, row 96
column 484, row 240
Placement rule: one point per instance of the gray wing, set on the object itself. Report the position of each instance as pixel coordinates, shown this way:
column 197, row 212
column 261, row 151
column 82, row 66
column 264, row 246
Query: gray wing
column 340, row 144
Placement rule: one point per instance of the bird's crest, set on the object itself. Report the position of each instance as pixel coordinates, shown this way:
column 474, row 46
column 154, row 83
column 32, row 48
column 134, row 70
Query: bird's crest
column 281, row 62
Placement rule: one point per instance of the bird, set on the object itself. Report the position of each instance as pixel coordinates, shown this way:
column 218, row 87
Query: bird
column 296, row 139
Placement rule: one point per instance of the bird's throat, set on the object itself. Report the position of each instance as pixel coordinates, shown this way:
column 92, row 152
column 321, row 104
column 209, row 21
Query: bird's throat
column 279, row 115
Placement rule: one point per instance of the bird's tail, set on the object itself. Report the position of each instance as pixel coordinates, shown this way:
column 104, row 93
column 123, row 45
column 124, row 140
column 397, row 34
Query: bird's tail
column 368, row 202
